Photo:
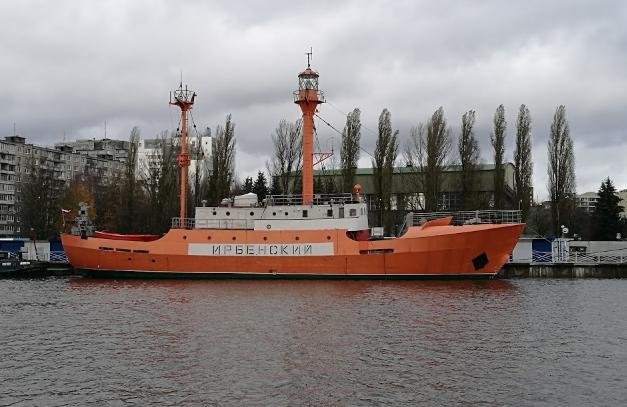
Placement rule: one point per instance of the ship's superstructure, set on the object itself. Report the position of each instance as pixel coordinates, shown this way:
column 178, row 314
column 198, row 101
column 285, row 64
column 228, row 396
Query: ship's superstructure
column 307, row 235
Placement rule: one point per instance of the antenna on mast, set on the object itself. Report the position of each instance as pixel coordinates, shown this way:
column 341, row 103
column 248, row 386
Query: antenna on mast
column 309, row 57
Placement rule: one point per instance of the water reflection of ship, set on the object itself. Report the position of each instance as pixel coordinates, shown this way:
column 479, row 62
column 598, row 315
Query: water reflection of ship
column 291, row 236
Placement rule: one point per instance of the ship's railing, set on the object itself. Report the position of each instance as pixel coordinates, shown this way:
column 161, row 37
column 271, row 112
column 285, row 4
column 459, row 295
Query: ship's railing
column 318, row 199
column 304, row 94
column 193, row 223
column 470, row 217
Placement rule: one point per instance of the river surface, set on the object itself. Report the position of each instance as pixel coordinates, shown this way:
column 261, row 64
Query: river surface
column 79, row 341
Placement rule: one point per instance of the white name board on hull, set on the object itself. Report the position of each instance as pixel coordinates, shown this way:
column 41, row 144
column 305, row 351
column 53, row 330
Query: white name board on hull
column 305, row 249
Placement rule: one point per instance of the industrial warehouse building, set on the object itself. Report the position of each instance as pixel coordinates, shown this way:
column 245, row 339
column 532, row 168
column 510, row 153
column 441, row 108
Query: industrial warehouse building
column 406, row 188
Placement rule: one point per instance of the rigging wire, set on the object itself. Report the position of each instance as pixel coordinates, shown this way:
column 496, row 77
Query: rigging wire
column 340, row 133
column 346, row 115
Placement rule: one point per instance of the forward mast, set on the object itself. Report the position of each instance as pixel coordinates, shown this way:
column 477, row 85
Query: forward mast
column 184, row 99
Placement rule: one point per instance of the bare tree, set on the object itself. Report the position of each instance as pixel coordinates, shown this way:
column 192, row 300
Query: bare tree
column 350, row 149
column 223, row 154
column 428, row 149
column 201, row 170
column 497, row 138
column 523, row 165
column 286, row 163
column 129, row 198
column 468, row 148
column 385, row 153
column 160, row 176
column 38, row 199
column 561, row 169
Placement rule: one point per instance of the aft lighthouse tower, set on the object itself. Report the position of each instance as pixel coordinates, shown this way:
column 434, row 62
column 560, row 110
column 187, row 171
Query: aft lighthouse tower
column 184, row 99
column 308, row 97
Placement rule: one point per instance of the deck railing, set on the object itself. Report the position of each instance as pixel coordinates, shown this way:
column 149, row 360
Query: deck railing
column 469, row 217
column 318, row 199
column 192, row 223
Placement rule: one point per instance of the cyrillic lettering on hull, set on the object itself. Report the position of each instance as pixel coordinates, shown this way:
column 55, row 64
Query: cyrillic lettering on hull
column 305, row 249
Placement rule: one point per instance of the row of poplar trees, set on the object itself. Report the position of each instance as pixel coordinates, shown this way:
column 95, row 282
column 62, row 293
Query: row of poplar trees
column 430, row 149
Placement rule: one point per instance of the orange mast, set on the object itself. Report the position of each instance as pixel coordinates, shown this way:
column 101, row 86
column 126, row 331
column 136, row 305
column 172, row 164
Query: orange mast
column 308, row 97
column 184, row 99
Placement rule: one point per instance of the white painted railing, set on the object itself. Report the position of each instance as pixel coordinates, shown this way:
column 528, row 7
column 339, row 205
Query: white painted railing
column 58, row 257
column 52, row 257
column 576, row 258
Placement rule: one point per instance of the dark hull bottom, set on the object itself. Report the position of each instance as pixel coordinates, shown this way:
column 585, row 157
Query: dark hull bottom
column 267, row 276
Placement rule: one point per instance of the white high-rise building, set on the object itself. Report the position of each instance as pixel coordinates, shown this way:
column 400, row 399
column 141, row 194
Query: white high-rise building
column 149, row 155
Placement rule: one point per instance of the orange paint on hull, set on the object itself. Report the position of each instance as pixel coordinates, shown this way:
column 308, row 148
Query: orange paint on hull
column 436, row 251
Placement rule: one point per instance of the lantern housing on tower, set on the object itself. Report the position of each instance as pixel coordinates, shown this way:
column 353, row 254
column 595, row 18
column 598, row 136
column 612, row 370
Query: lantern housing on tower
column 308, row 87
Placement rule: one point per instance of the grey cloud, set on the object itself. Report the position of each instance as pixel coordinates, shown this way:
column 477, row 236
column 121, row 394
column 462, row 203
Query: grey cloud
column 68, row 66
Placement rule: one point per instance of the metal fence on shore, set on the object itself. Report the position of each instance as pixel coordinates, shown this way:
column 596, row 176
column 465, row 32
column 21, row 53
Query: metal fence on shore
column 576, row 258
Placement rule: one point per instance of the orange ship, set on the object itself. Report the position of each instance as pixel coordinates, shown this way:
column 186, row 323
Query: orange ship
column 314, row 236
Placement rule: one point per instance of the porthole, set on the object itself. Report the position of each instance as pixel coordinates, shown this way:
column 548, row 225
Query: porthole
column 273, row 213
column 215, row 213
column 129, row 258
column 265, row 238
column 328, row 237
column 286, row 213
column 184, row 237
column 154, row 261
column 252, row 214
column 234, row 238
column 228, row 213
column 208, row 237
column 297, row 238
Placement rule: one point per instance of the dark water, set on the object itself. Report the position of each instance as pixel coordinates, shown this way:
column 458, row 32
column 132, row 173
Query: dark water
column 289, row 343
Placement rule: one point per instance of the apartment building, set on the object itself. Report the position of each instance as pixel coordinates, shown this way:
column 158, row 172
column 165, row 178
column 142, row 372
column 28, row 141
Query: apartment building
column 588, row 200
column 106, row 148
column 149, row 153
column 16, row 158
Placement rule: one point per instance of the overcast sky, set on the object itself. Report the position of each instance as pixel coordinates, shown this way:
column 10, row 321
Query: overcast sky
column 67, row 66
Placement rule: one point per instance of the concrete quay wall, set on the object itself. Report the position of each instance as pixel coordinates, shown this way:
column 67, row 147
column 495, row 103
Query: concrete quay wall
column 563, row 270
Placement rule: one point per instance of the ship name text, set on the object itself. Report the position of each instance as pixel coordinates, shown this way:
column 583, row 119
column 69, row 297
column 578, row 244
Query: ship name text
column 306, row 249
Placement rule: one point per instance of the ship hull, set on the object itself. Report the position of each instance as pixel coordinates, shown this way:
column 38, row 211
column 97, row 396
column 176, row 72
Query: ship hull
column 472, row 251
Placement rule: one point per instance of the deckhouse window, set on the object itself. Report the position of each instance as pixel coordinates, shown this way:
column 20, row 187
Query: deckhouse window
column 330, row 213
column 305, row 213
column 352, row 212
